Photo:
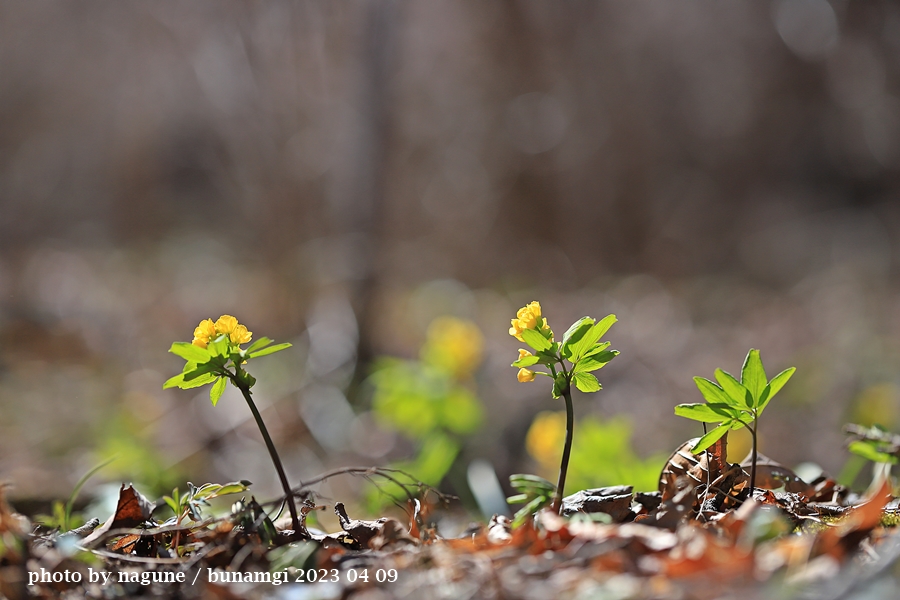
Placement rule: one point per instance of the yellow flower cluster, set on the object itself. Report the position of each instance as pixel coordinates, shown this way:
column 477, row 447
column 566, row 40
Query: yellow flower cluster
column 528, row 317
column 224, row 325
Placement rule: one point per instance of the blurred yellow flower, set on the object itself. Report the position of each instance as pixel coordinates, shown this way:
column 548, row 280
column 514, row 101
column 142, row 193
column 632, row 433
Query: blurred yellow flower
column 226, row 324
column 240, row 335
column 453, row 344
column 528, row 317
column 203, row 332
column 545, row 438
column 524, row 353
column 524, row 375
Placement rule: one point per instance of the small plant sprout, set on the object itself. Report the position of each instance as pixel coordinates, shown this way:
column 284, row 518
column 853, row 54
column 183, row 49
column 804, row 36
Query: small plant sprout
column 580, row 348
column 734, row 404
column 215, row 356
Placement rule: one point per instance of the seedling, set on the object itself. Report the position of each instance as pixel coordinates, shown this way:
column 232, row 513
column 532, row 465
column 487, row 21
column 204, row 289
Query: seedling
column 580, row 348
column 734, row 404
column 873, row 443
column 215, row 356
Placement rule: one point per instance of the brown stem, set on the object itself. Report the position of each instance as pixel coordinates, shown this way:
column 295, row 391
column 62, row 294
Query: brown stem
column 295, row 522
column 753, row 458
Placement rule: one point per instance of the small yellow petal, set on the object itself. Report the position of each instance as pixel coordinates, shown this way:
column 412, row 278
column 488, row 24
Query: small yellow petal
column 226, row 324
column 240, row 335
column 525, row 375
column 524, row 353
column 200, row 342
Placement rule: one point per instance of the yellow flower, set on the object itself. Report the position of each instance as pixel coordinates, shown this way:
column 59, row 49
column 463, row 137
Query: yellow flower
column 453, row 344
column 528, row 317
column 240, row 335
column 203, row 332
column 545, row 438
column 226, row 324
column 524, row 353
column 525, row 375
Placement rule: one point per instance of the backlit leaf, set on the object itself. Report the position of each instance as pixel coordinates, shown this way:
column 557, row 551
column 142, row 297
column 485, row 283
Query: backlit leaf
column 189, row 351
column 586, row 382
column 704, row 412
column 753, row 376
column 574, row 334
column 710, row 438
column 590, row 338
column 270, row 350
column 526, row 361
column 535, row 340
column 215, row 392
column 733, row 388
column 775, row 386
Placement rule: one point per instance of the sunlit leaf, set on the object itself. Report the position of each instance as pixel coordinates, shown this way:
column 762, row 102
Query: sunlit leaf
column 270, row 350
column 526, row 361
column 590, row 338
column 775, row 386
column 869, row 451
column 734, row 388
column 201, row 370
column 712, row 437
column 176, row 381
column 753, row 376
column 258, row 344
column 595, row 361
column 536, row 340
column 215, row 392
column 189, row 351
column 716, row 395
column 574, row 334
column 705, row 412
column 198, row 382
column 586, row 382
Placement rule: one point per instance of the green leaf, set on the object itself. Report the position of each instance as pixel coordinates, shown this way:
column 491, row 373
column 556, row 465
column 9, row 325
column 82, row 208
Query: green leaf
column 260, row 343
column 586, row 382
column 219, row 347
column 174, row 381
column 270, row 350
column 536, row 340
column 712, row 437
column 215, row 392
column 734, row 389
column 201, row 370
column 574, row 334
column 189, row 351
column 525, row 482
column 527, row 361
column 518, row 499
column 199, row 382
column 594, row 361
column 716, row 395
column 869, row 451
column 581, row 347
column 706, row 413
column 529, row 509
column 753, row 376
column 774, row 387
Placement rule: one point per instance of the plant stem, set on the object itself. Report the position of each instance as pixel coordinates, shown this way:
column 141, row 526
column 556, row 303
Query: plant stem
column 567, row 449
column 753, row 457
column 295, row 522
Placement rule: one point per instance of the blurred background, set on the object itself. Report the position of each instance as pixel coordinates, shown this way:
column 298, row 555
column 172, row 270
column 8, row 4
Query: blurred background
column 340, row 175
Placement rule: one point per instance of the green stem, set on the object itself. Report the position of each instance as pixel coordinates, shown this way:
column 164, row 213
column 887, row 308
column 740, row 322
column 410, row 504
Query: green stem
column 295, row 522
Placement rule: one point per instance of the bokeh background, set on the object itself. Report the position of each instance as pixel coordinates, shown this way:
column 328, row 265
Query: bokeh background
column 338, row 175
